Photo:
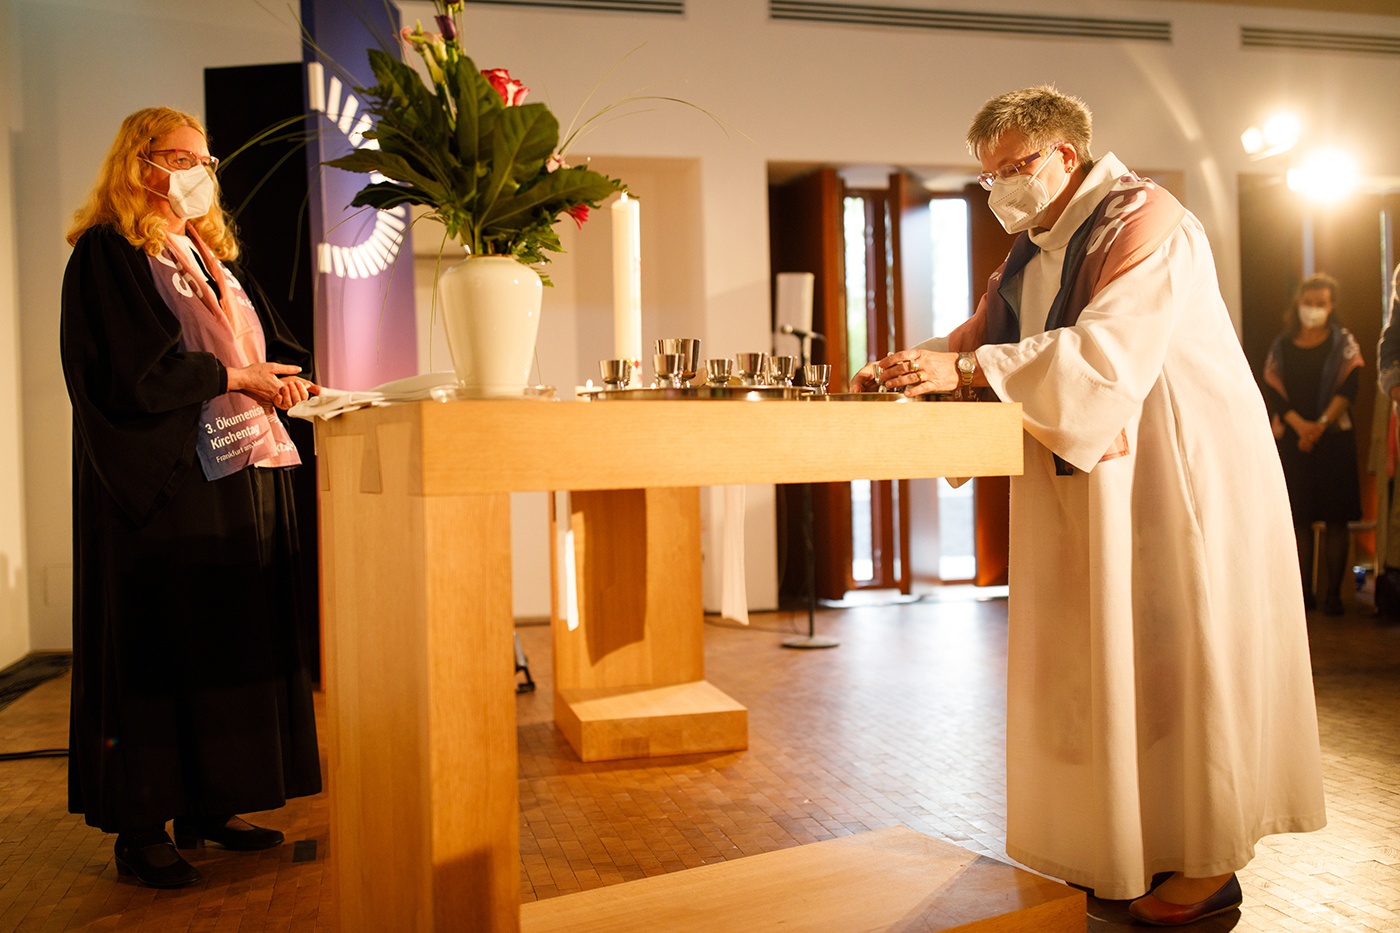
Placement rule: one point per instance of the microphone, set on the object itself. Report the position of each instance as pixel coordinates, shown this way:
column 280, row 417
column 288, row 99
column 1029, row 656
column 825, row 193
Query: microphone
column 799, row 332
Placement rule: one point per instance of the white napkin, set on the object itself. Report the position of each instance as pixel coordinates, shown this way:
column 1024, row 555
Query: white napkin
column 332, row 402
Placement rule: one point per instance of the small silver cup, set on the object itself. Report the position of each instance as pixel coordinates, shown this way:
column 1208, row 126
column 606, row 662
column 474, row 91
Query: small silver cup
column 688, row 348
column 817, row 376
column 616, row 373
column 781, row 369
column 717, row 371
column 668, row 370
column 753, row 368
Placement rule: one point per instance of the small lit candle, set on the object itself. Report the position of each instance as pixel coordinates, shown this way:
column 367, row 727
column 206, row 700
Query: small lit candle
column 627, row 283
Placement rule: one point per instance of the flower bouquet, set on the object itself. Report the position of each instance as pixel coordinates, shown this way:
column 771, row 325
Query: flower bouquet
column 488, row 165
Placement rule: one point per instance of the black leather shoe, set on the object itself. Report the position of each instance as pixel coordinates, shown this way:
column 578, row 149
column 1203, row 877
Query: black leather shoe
column 151, row 857
column 192, row 831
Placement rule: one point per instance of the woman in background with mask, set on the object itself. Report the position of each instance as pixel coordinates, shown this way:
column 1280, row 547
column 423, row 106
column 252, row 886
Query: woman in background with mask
column 1310, row 381
column 191, row 700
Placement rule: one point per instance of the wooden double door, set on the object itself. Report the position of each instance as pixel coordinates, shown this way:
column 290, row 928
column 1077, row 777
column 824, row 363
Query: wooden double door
column 812, row 221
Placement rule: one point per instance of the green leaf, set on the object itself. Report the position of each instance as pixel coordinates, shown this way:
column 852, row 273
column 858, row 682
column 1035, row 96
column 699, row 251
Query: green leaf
column 554, row 193
column 398, row 83
column 384, row 195
column 391, row 166
column 478, row 109
column 522, row 139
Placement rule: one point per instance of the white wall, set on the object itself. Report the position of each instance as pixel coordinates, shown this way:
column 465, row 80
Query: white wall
column 14, row 598
column 82, row 66
column 788, row 93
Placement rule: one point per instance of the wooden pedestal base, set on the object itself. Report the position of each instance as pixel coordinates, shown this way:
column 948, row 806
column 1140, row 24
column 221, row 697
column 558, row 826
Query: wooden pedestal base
column 629, row 675
column 892, row 879
column 648, row 722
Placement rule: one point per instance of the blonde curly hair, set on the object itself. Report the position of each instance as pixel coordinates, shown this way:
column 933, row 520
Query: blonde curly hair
column 119, row 197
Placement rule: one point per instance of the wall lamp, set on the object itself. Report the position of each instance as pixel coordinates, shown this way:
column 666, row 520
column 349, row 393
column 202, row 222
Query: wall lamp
column 1279, row 133
column 1325, row 176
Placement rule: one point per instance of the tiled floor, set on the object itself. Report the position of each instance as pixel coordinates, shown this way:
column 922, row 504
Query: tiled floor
column 901, row 724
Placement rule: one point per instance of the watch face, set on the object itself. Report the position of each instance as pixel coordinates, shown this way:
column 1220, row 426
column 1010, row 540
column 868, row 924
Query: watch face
column 965, row 365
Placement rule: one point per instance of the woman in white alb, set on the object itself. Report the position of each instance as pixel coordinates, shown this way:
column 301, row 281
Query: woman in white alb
column 1160, row 706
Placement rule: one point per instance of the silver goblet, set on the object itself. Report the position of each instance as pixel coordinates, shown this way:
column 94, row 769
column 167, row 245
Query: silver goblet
column 668, row 370
column 616, row 373
column 717, row 371
column 688, row 348
column 753, row 368
column 817, row 376
column 781, row 369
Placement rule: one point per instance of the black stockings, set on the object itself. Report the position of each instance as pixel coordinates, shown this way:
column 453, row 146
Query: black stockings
column 1332, row 568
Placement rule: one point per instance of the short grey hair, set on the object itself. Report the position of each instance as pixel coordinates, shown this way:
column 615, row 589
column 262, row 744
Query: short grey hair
column 1043, row 115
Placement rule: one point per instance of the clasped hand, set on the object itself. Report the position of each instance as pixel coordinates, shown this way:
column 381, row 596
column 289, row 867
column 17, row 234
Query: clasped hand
column 912, row 372
column 1309, row 433
column 272, row 382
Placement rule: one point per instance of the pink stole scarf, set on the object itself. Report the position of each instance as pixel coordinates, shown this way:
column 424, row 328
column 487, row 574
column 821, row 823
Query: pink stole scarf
column 1134, row 218
column 235, row 430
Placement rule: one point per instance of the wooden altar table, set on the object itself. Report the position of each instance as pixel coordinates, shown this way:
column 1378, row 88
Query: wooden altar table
column 417, row 609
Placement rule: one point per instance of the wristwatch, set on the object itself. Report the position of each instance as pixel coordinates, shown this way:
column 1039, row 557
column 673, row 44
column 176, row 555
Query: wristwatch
column 967, row 365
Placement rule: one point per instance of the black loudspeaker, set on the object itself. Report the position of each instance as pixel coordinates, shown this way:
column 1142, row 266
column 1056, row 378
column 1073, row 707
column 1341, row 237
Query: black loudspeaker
column 265, row 188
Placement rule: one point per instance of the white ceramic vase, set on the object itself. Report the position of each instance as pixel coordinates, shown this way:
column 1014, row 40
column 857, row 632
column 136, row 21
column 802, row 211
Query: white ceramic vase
column 490, row 308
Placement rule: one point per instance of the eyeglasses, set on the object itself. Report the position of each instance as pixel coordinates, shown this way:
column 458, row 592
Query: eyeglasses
column 181, row 159
column 1011, row 169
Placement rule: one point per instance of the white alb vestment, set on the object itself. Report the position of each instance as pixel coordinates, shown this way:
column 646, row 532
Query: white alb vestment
column 1160, row 702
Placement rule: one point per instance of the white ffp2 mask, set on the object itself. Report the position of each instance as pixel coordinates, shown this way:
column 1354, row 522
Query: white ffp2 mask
column 191, row 191
column 1017, row 201
column 1312, row 315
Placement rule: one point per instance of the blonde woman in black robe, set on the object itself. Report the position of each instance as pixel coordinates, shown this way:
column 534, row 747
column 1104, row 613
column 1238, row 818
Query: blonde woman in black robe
column 191, row 700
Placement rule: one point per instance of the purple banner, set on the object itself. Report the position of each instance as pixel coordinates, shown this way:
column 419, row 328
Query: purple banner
column 366, row 333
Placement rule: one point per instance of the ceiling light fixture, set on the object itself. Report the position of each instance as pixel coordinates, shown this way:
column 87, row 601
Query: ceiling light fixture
column 1326, row 176
column 1279, row 133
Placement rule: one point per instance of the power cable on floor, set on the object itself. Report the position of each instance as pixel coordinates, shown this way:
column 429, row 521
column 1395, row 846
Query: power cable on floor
column 40, row 753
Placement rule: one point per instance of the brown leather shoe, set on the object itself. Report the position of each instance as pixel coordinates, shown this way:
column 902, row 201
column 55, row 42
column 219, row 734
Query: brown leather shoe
column 1151, row 909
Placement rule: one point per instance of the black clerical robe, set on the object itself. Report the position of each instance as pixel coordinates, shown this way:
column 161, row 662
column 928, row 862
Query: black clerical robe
column 190, row 691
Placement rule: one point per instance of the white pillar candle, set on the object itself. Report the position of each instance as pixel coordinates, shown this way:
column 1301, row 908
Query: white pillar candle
column 627, row 283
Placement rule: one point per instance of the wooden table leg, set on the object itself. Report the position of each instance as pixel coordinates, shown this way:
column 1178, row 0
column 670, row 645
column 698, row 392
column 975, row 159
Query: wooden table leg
column 629, row 676
column 420, row 694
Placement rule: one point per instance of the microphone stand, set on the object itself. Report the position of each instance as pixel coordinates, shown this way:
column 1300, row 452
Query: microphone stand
column 811, row 639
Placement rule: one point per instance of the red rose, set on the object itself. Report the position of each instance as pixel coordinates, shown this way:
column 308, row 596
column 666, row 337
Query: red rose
column 579, row 212
column 511, row 90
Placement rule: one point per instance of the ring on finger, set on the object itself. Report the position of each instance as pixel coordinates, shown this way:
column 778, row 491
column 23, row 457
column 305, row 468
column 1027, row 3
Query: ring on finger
column 913, row 366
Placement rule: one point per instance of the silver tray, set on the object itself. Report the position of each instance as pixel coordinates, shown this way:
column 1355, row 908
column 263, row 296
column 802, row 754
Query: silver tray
column 866, row 397
column 730, row 393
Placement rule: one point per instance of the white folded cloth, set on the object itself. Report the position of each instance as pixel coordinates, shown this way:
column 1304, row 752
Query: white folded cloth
column 734, row 596
column 332, row 402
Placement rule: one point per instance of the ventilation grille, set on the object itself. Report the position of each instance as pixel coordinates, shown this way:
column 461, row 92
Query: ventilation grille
column 1021, row 24
column 668, row 7
column 1258, row 37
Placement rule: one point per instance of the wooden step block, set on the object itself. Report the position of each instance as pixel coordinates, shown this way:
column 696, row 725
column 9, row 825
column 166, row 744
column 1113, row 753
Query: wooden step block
column 607, row 723
column 889, row 880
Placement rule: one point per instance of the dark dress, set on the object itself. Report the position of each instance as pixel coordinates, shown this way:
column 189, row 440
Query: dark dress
column 1323, row 486
column 190, row 691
